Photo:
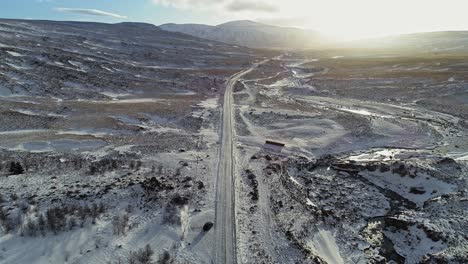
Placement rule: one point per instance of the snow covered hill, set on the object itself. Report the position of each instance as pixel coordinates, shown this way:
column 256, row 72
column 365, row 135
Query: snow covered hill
column 251, row 34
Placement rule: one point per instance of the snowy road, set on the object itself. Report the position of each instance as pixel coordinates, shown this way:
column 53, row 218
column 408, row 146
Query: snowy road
column 225, row 223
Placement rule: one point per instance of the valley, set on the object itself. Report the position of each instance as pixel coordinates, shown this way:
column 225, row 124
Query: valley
column 124, row 142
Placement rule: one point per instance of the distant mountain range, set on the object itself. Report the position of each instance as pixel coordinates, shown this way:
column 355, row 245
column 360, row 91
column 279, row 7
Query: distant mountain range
column 252, row 34
column 441, row 41
column 257, row 35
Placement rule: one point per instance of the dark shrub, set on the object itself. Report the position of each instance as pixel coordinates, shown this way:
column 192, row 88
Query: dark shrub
column 207, row 226
column 16, row 168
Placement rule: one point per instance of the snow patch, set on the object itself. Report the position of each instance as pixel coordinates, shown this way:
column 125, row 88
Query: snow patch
column 78, row 65
column 83, row 132
column 16, row 66
column 139, row 100
column 418, row 189
column 107, row 69
column 114, row 96
column 310, row 203
column 414, row 244
column 27, row 112
column 211, row 103
column 359, row 112
column 25, row 131
column 15, row 54
column 57, row 145
column 324, row 245
column 381, row 155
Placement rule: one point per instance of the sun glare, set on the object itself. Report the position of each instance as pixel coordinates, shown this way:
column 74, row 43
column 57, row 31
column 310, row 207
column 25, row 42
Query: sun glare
column 370, row 18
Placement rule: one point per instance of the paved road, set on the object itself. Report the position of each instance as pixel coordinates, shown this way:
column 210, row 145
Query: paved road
column 225, row 223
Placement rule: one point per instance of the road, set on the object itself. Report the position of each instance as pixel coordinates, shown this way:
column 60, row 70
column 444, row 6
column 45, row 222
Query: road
column 225, row 223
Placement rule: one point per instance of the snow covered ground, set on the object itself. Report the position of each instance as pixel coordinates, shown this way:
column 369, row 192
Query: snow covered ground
column 107, row 144
column 362, row 178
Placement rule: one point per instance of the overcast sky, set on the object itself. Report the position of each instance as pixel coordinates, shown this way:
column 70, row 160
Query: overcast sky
column 344, row 18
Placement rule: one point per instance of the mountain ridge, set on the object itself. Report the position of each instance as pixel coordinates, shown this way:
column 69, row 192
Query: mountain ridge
column 251, row 34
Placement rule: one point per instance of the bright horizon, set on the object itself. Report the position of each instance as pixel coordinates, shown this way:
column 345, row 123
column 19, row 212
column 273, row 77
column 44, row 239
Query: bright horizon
column 343, row 19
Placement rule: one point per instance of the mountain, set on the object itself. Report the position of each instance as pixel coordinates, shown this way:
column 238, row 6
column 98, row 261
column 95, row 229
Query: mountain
column 251, row 34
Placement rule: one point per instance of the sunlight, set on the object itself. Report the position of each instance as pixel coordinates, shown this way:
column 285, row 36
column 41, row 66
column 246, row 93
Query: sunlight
column 369, row 18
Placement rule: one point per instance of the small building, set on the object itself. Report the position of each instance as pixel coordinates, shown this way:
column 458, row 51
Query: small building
column 274, row 146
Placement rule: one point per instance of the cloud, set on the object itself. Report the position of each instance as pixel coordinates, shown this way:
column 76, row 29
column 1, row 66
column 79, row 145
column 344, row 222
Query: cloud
column 229, row 5
column 239, row 6
column 284, row 21
column 93, row 12
column 188, row 3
